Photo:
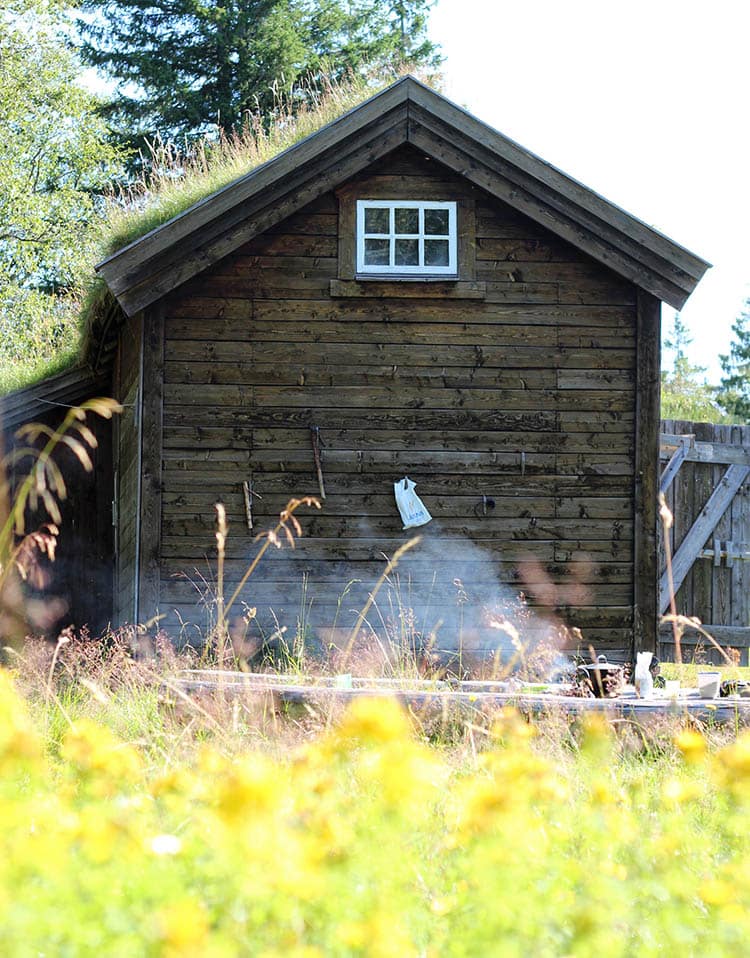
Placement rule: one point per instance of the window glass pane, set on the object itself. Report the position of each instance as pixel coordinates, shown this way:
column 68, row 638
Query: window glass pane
column 407, row 221
column 377, row 220
column 436, row 252
column 436, row 222
column 407, row 252
column 377, row 252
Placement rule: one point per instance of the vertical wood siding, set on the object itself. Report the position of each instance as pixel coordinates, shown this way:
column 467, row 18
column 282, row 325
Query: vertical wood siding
column 128, row 377
column 716, row 591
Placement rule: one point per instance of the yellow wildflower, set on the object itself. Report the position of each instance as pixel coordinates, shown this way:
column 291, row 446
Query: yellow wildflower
column 676, row 790
column 184, row 929
column 510, row 725
column 97, row 753
column 736, row 757
column 381, row 935
column 250, row 787
column 374, row 720
column 19, row 744
column 716, row 891
column 692, row 745
column 404, row 774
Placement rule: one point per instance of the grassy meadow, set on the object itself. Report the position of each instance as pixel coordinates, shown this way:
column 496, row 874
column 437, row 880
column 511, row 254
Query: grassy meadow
column 141, row 821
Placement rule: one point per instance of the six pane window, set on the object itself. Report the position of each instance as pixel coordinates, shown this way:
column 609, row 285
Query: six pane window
column 406, row 237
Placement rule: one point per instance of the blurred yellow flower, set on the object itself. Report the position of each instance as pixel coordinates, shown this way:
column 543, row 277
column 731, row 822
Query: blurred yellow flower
column 183, row 929
column 20, row 747
column 692, row 745
column 677, row 790
column 96, row 752
column 381, row 935
column 736, row 757
column 375, row 720
column 716, row 891
column 250, row 787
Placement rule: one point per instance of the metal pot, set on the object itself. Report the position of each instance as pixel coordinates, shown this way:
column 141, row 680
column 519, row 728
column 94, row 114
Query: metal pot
column 604, row 678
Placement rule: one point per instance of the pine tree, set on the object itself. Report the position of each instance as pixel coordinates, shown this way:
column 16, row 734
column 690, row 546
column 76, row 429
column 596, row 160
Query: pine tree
column 733, row 394
column 184, row 67
column 683, row 395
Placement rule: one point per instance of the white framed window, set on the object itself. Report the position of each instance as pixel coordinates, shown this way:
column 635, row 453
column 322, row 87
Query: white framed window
column 406, row 237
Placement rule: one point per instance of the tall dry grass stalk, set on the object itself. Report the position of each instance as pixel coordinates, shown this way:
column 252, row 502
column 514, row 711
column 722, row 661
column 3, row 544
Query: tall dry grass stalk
column 177, row 175
column 286, row 530
column 392, row 563
column 42, row 486
column 681, row 622
column 667, row 521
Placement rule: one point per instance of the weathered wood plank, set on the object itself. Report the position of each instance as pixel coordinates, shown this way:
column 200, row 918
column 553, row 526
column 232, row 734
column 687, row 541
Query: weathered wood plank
column 353, row 397
column 370, row 504
column 360, row 548
column 740, row 528
column 149, row 507
column 703, row 527
column 673, row 467
column 518, row 438
column 413, row 461
column 407, row 289
column 417, row 596
column 490, row 527
column 527, row 367
column 542, row 485
column 314, row 374
column 684, row 511
column 702, row 571
column 648, row 318
column 707, row 451
column 605, row 319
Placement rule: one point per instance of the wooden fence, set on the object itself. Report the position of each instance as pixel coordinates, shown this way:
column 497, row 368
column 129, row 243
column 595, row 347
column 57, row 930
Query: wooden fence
column 706, row 482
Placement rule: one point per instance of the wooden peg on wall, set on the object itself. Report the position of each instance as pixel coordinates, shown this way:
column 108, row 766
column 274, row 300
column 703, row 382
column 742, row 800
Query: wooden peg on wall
column 315, row 439
column 247, row 489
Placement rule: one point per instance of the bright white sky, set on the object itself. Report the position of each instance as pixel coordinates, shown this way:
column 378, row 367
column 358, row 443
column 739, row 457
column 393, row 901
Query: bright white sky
column 645, row 101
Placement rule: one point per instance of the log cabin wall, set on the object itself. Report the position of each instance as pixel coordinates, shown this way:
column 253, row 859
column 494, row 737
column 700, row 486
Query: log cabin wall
column 518, row 385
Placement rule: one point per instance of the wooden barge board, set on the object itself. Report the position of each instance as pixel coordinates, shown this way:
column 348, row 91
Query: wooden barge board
column 734, row 709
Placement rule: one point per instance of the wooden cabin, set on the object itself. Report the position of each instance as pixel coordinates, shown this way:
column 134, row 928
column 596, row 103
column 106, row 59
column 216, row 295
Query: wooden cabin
column 407, row 293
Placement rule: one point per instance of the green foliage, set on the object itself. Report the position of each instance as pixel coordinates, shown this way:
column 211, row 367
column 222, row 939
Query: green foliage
column 361, row 839
column 733, row 394
column 49, row 339
column 185, row 68
column 175, row 179
column 683, row 395
column 54, row 162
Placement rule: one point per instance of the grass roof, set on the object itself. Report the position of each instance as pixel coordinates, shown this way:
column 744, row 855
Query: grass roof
column 178, row 178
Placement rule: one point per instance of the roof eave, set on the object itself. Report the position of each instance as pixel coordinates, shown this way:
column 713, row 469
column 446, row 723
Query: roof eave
column 492, row 161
